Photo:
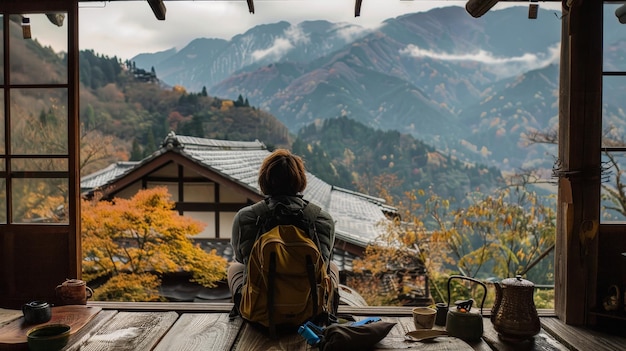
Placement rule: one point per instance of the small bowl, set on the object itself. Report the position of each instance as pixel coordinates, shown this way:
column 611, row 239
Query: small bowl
column 48, row 337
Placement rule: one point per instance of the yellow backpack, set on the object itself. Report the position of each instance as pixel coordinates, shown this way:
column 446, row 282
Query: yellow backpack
column 287, row 281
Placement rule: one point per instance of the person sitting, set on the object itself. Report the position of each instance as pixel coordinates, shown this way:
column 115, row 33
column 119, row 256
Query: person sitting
column 282, row 179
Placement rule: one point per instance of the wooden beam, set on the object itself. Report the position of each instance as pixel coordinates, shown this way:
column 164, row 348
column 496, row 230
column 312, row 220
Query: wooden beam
column 580, row 133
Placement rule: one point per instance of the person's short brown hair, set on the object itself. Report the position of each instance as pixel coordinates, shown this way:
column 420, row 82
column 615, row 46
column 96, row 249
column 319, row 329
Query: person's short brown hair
column 282, row 173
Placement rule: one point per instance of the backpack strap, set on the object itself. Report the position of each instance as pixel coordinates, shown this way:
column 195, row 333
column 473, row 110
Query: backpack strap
column 310, row 213
column 270, row 295
column 261, row 209
column 311, row 273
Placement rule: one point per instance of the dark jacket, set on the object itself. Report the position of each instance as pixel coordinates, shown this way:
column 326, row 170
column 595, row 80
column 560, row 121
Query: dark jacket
column 245, row 228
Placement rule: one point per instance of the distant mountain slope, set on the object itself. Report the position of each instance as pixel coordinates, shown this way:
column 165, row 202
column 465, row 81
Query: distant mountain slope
column 352, row 155
column 504, row 33
column 498, row 124
column 420, row 73
column 204, row 62
column 341, row 89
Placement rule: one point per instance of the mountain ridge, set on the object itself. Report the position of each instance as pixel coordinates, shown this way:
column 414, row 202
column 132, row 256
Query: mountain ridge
column 473, row 88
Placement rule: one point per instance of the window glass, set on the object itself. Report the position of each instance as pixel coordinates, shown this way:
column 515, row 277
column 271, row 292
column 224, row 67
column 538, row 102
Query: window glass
column 39, row 200
column 612, row 45
column 613, row 203
column 613, row 110
column 39, row 165
column 39, row 121
column 49, row 30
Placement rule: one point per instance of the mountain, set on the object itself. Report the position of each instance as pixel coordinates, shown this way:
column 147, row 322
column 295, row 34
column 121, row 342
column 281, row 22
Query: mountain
column 362, row 156
column 474, row 89
column 421, row 73
column 125, row 111
column 204, row 62
column 499, row 124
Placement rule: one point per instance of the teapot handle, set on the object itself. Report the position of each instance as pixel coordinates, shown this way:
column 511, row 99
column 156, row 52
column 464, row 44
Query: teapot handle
column 472, row 280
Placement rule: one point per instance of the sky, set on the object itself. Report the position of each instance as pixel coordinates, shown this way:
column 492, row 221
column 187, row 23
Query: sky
column 128, row 28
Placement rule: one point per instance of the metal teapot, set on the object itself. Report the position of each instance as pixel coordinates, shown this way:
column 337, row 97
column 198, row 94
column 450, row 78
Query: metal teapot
column 462, row 323
column 36, row 312
column 514, row 315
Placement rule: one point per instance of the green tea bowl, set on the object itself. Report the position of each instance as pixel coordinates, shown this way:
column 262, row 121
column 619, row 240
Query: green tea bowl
column 48, row 337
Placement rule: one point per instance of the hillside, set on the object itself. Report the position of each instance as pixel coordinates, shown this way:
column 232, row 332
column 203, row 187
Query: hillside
column 353, row 155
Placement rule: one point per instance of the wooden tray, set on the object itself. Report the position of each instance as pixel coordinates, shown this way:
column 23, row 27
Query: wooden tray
column 76, row 316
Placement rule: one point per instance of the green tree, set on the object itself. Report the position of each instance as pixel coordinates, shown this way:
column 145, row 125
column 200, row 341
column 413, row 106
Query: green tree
column 136, row 154
column 239, row 102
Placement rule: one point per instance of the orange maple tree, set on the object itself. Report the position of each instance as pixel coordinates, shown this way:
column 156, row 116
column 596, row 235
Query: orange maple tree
column 132, row 242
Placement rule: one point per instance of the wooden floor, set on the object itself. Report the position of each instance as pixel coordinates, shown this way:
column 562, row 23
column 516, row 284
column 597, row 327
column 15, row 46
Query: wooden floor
column 192, row 326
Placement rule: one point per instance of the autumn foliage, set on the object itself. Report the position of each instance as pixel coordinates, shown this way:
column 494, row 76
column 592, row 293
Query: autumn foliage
column 133, row 242
column 492, row 237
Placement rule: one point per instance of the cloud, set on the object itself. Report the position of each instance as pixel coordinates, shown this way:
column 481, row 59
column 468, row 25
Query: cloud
column 296, row 35
column 128, row 28
column 278, row 49
column 281, row 45
column 349, row 32
column 501, row 66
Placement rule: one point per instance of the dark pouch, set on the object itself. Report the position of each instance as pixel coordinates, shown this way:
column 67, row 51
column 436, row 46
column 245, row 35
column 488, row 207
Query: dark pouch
column 349, row 337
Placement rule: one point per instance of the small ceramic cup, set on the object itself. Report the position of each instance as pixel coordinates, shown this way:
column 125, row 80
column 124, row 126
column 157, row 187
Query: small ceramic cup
column 442, row 314
column 37, row 312
column 74, row 292
column 424, row 317
column 48, row 337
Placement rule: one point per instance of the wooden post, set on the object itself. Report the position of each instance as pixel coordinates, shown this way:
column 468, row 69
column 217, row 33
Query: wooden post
column 580, row 134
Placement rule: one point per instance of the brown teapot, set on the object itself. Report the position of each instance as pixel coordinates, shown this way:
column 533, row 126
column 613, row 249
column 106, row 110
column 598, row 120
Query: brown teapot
column 514, row 315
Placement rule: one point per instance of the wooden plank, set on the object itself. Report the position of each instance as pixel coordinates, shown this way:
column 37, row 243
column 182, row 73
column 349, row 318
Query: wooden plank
column 440, row 343
column 201, row 331
column 395, row 339
column 7, row 315
column 395, row 311
column 253, row 339
column 582, row 339
column 131, row 331
column 95, row 324
column 540, row 342
column 181, row 307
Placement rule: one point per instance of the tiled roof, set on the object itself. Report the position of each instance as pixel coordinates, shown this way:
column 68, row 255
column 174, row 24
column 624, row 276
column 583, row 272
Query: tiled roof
column 103, row 176
column 357, row 215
